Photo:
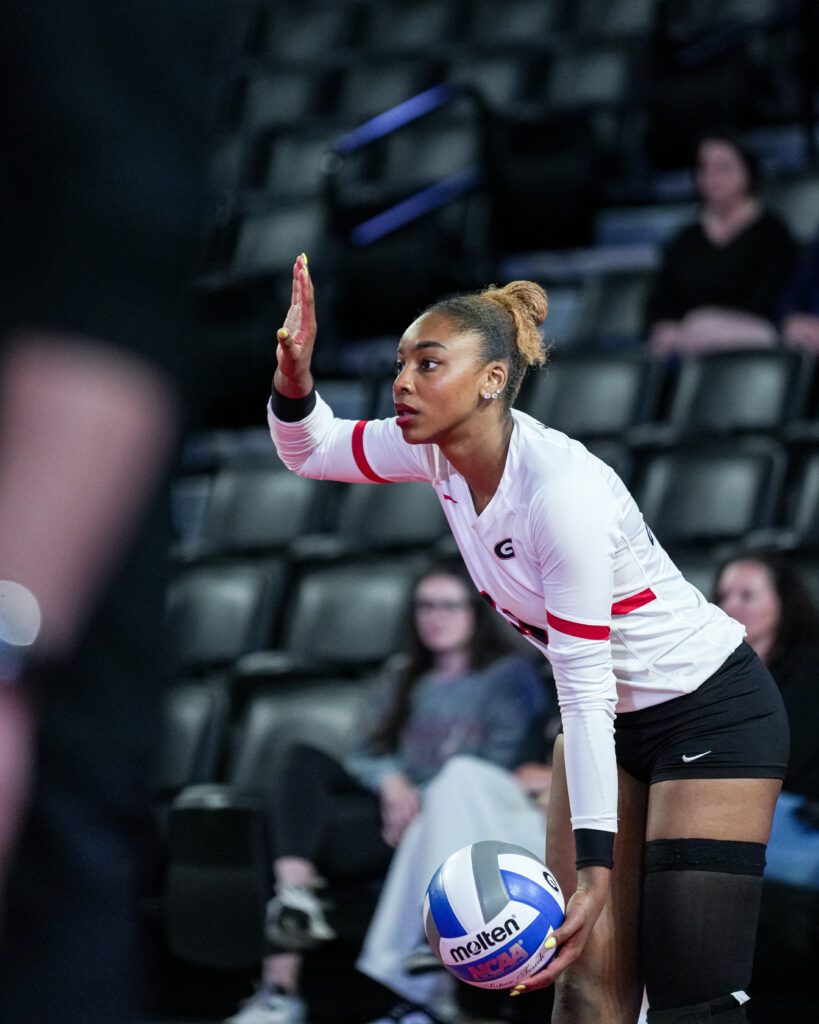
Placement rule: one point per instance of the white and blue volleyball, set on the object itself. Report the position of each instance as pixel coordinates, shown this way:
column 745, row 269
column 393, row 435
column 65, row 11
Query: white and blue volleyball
column 487, row 912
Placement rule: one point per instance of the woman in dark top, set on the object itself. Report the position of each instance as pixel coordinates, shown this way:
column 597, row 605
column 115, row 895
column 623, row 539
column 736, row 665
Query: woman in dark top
column 721, row 278
column 766, row 594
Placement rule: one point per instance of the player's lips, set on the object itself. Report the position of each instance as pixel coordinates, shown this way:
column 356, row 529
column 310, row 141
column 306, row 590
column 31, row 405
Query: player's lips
column 404, row 414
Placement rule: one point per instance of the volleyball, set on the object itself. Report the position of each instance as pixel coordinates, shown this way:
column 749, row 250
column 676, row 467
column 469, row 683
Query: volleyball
column 487, row 912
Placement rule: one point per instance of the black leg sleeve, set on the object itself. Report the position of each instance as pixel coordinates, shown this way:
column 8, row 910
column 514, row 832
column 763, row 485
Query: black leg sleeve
column 700, row 908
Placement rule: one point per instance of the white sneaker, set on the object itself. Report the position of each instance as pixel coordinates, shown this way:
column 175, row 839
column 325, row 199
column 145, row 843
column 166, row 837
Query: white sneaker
column 294, row 919
column 267, row 1007
column 409, row 1013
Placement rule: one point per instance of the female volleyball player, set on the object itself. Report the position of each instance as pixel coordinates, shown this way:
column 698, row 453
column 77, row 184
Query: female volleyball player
column 666, row 874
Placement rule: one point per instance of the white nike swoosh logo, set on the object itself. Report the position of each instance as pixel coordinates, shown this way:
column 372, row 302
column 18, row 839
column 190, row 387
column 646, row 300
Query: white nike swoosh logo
column 693, row 757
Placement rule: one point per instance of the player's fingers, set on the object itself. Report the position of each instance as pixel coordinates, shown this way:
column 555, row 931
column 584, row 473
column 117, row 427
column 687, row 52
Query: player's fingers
column 570, row 927
column 308, row 297
column 546, row 977
column 295, row 284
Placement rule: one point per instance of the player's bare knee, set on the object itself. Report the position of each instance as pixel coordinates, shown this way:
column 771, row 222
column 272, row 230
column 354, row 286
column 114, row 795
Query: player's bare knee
column 582, row 998
column 576, row 1001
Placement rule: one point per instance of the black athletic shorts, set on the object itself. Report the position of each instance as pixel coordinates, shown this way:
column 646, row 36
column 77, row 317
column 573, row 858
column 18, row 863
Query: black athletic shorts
column 734, row 725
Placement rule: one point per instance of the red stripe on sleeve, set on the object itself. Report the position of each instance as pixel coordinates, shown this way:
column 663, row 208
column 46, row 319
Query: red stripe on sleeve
column 581, row 629
column 360, row 457
column 628, row 604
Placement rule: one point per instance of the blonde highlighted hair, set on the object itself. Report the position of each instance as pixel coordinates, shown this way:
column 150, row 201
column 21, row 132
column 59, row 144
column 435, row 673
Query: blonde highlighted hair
column 506, row 321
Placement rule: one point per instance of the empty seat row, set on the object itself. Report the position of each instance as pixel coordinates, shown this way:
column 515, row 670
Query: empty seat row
column 263, row 510
column 321, row 604
column 648, row 401
column 291, row 30
column 262, row 620
column 604, row 394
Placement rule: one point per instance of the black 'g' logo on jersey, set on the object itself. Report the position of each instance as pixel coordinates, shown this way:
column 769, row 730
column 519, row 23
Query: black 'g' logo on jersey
column 504, row 549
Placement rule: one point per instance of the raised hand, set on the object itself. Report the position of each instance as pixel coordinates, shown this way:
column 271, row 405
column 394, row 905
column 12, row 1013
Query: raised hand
column 296, row 337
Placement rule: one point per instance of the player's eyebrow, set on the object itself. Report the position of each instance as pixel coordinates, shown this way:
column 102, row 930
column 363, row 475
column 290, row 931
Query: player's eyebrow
column 419, row 345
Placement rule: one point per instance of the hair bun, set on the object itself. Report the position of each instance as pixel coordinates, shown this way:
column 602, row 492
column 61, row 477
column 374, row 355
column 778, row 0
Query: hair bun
column 529, row 298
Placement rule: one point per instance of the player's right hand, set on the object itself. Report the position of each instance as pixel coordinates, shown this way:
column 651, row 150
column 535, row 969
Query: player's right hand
column 297, row 336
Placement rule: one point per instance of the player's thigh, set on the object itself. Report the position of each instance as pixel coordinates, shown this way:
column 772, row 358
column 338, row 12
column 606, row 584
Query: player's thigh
column 606, row 979
column 734, row 809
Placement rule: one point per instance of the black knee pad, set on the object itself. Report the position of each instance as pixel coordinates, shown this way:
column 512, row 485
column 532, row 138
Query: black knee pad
column 725, row 855
column 722, row 1010
column 700, row 908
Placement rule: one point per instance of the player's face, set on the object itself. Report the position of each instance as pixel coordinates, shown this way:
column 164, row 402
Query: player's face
column 444, row 616
column 437, row 389
column 722, row 177
column 746, row 592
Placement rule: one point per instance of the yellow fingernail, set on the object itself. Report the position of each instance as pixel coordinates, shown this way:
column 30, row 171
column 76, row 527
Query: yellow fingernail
column 283, row 333
column 550, row 943
column 304, row 257
column 520, row 987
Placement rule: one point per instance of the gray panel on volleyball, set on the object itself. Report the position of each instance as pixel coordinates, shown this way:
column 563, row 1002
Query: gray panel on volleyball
column 488, row 881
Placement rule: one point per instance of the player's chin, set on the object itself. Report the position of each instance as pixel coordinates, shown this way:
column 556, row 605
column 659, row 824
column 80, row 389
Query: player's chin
column 413, row 433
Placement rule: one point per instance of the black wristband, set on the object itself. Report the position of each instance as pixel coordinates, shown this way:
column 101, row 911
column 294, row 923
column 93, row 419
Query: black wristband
column 593, row 847
column 291, row 410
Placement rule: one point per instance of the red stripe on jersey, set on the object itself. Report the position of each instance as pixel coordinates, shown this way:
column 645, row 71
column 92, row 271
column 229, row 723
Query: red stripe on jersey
column 628, row 604
column 581, row 629
column 360, row 457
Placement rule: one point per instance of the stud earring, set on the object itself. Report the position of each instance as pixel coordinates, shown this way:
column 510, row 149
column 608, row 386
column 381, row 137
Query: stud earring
column 486, row 395
column 497, row 393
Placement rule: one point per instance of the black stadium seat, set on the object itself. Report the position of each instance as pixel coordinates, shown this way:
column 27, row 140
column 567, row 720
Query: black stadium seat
column 703, row 496
column 393, row 517
column 736, row 392
column 259, row 510
column 594, row 395
column 217, row 879
column 216, row 613
column 339, row 618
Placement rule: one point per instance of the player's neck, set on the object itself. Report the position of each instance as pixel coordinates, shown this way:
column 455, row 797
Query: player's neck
column 481, row 460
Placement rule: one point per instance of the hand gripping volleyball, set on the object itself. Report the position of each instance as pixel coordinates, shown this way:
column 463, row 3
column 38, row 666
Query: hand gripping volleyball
column 488, row 910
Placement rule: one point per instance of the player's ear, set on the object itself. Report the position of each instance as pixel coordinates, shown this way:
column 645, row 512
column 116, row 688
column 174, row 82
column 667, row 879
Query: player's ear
column 495, row 378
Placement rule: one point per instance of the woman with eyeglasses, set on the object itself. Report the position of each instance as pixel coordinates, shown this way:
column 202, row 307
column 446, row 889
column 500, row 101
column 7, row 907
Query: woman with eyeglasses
column 456, row 701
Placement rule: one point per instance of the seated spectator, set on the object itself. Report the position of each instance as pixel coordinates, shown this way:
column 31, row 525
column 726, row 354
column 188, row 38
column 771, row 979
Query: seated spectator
column 766, row 594
column 456, row 691
column 721, row 278
column 800, row 321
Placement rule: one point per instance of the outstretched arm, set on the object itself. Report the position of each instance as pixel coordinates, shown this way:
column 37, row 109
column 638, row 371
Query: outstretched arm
column 296, row 337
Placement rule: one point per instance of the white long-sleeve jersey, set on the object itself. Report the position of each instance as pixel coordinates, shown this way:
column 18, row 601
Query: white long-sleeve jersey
column 564, row 554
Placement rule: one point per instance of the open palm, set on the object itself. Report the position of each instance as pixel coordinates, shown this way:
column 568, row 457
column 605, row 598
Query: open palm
column 298, row 334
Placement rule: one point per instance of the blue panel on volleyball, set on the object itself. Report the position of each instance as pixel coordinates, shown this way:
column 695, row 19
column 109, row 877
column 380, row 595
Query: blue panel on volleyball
column 524, row 890
column 448, row 925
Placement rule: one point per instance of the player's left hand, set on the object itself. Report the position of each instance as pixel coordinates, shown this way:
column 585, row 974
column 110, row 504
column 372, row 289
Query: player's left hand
column 582, row 911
